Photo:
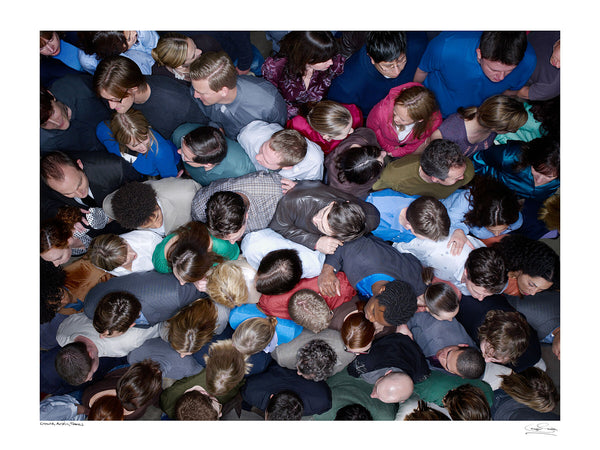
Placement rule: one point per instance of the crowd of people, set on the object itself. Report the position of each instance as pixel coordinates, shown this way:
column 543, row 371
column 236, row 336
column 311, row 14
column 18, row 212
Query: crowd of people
column 355, row 226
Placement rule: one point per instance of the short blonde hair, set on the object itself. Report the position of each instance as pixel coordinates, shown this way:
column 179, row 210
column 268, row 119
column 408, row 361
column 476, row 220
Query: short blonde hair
column 309, row 310
column 226, row 285
column 107, row 251
column 254, row 334
column 225, row 367
column 290, row 145
column 193, row 326
column 329, row 117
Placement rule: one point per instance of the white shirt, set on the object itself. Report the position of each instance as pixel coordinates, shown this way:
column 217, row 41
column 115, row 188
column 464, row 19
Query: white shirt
column 256, row 133
column 257, row 244
column 81, row 325
column 143, row 243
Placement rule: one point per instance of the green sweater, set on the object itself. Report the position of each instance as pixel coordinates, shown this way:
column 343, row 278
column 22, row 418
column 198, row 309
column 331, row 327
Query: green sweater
column 439, row 383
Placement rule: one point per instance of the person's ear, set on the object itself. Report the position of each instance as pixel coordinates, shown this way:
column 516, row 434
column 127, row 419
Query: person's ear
column 80, row 164
column 478, row 52
column 224, row 91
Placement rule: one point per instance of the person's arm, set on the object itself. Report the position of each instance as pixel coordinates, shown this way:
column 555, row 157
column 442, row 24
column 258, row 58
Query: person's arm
column 165, row 157
column 284, row 222
column 328, row 282
column 419, row 76
column 107, row 139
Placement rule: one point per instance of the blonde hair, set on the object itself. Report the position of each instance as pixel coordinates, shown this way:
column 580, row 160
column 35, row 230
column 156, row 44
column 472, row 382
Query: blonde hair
column 254, row 334
column 329, row 117
column 549, row 213
column 532, row 387
column 499, row 113
column 225, row 367
column 421, row 104
column 193, row 326
column 215, row 67
column 290, row 145
column 309, row 310
column 107, row 251
column 226, row 285
column 171, row 50
column 131, row 126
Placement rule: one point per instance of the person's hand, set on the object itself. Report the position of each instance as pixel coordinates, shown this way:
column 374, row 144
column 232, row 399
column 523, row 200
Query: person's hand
column 287, row 184
column 457, row 242
column 556, row 343
column 328, row 245
column 201, row 284
column 130, row 37
column 555, row 58
column 404, row 330
column 179, row 173
column 328, row 283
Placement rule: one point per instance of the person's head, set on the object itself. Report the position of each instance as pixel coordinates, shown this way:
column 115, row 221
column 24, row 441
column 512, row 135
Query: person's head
column 309, row 310
column 491, row 205
column 503, row 336
column 360, row 164
column 254, row 334
column 315, row 360
column 345, row 221
column 116, row 313
column 443, row 162
column 54, row 115
column 278, row 272
column 77, row 362
column 192, row 326
column 441, row 301
column 135, row 206
column 107, row 407
column 531, row 387
column 485, row 273
column 467, row 402
column 132, row 132
column 225, row 367
column 189, row 256
column 499, row 113
column 105, row 43
column 387, row 51
column 118, row 80
column 64, row 175
column 415, row 105
column 213, row 77
column 226, row 215
column 461, row 360
column 308, row 49
column 284, row 405
column 393, row 387
column 109, row 251
column 203, row 147
column 500, row 52
column 532, row 262
column 175, row 51
column 428, row 218
column 394, row 305
column 229, row 283
column 49, row 43
column 52, row 292
column 354, row 411
column 357, row 332
column 197, row 404
column 56, row 235
column 425, row 412
column 283, row 150
column 542, row 155
column 331, row 120
column 549, row 212
column 140, row 384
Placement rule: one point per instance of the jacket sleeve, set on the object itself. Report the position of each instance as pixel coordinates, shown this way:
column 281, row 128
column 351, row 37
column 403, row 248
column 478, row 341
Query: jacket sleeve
column 285, row 219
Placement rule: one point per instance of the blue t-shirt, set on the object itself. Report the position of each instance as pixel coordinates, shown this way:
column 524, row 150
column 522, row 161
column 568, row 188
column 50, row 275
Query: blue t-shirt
column 455, row 76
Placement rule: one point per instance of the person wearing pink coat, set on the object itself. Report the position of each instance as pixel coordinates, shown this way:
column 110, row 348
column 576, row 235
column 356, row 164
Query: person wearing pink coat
column 405, row 119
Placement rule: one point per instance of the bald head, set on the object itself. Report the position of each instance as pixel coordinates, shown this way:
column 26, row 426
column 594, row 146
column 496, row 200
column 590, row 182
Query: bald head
column 393, row 387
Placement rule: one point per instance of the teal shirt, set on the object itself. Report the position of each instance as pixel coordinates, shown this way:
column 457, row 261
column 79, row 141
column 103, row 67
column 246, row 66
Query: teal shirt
column 434, row 388
column 224, row 248
column 235, row 164
column 527, row 133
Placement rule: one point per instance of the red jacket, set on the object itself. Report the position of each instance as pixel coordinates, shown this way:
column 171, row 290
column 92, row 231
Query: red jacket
column 277, row 305
column 300, row 124
column 381, row 121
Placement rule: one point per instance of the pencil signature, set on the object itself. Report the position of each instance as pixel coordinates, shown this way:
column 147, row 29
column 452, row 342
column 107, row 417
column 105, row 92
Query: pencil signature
column 65, row 423
column 541, row 428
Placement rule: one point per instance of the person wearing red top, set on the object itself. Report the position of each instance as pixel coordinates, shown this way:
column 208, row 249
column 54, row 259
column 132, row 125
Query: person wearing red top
column 328, row 123
column 277, row 305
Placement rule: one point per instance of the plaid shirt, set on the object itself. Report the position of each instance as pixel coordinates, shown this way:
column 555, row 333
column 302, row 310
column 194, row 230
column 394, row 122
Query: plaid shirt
column 263, row 190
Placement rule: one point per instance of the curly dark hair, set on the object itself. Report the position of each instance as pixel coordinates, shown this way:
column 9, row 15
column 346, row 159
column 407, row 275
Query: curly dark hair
column 52, row 280
column 400, row 302
column 316, row 360
column 530, row 256
column 133, row 204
